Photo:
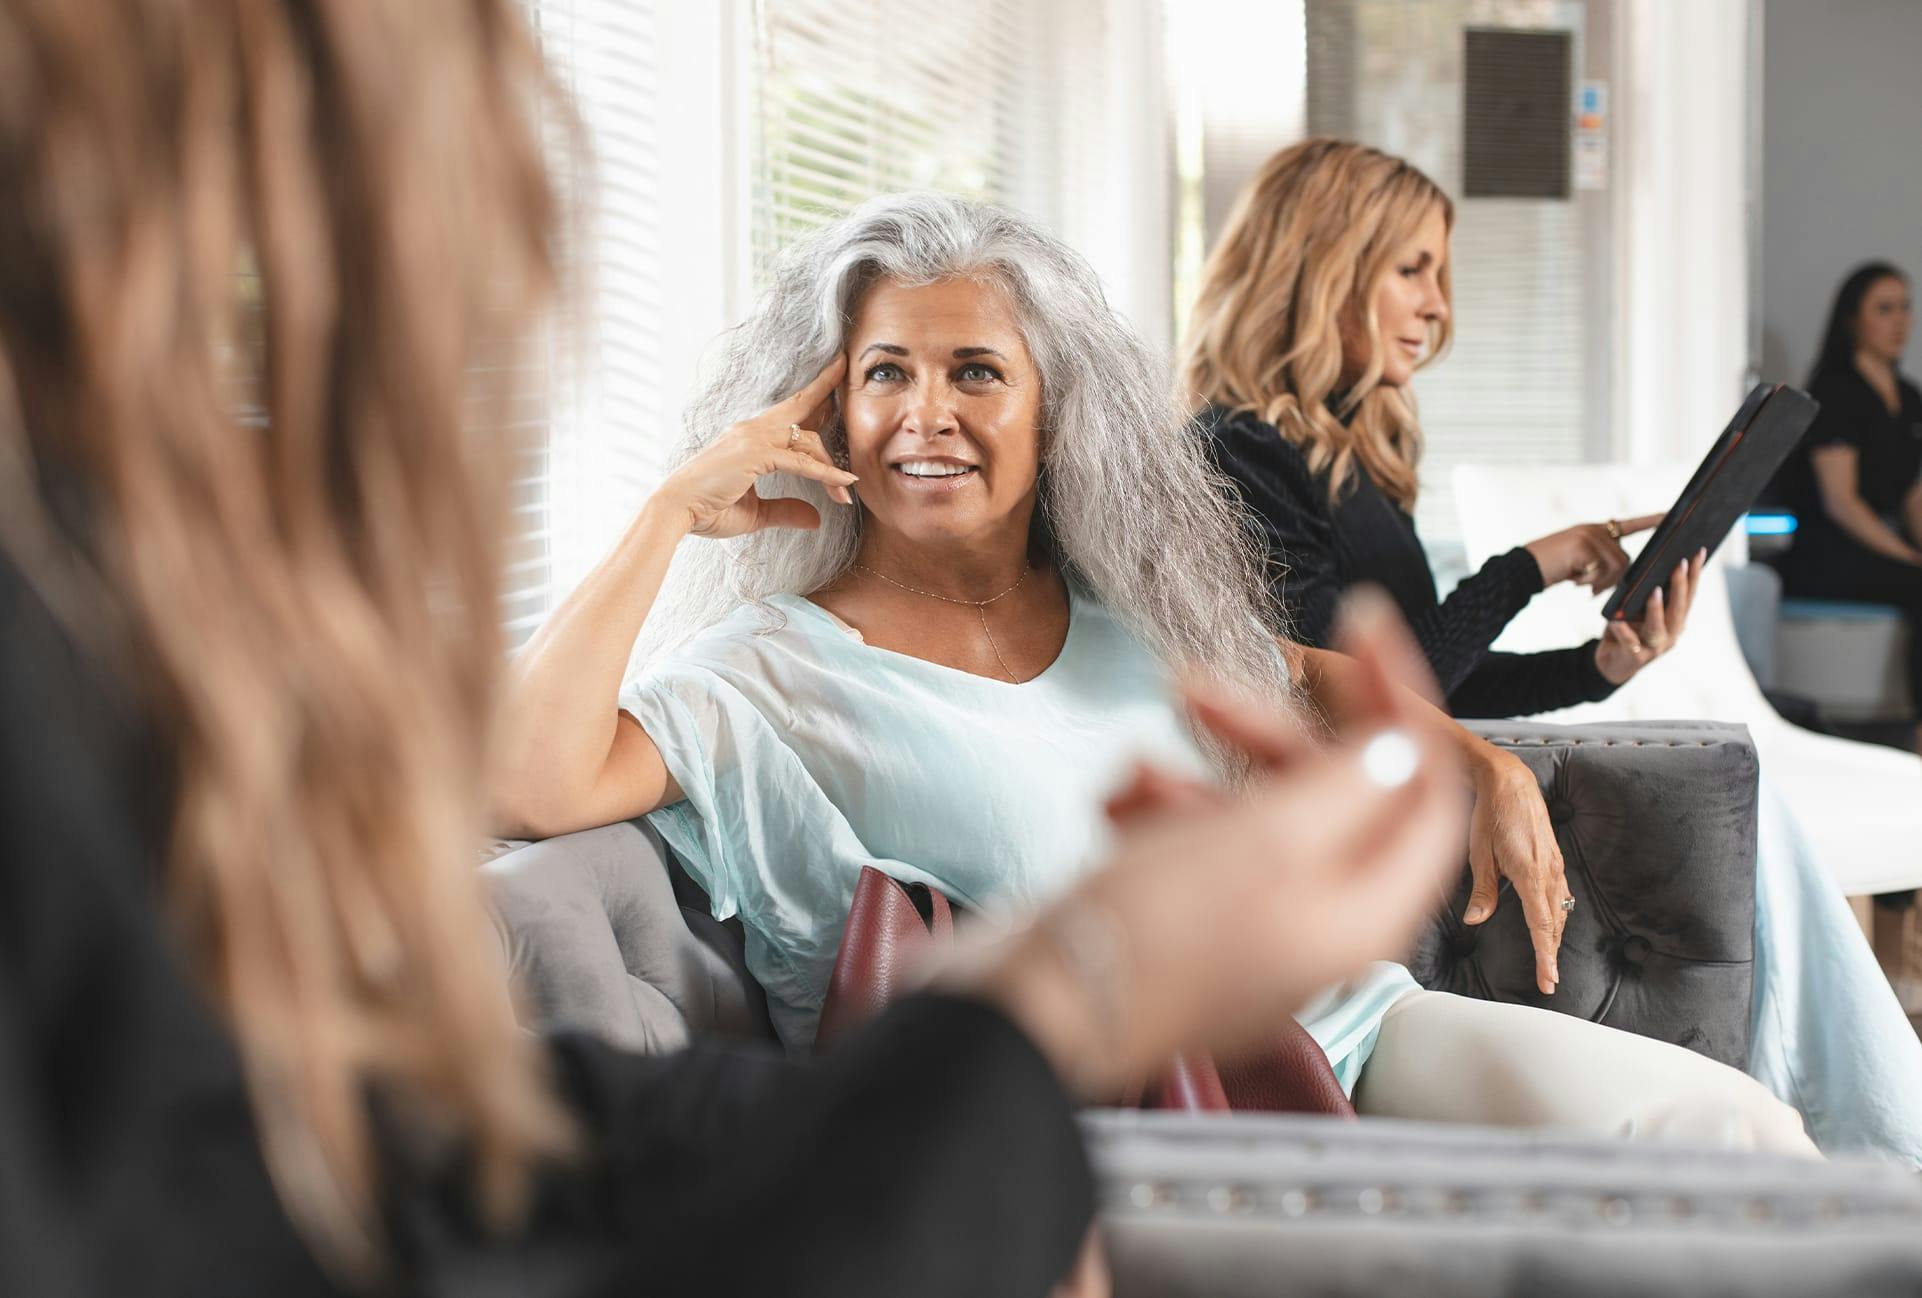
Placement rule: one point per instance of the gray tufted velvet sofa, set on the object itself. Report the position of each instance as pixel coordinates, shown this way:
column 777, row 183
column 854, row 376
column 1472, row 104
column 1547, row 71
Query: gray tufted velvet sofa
column 1656, row 822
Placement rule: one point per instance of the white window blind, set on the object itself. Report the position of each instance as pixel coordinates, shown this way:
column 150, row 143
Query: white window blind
column 600, row 444
column 1528, row 379
column 859, row 97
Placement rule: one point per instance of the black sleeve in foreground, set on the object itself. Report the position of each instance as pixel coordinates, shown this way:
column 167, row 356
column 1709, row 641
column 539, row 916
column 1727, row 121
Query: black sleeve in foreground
column 1289, row 508
column 1455, row 636
column 124, row 1122
column 1521, row 685
column 932, row 1153
column 36, row 1250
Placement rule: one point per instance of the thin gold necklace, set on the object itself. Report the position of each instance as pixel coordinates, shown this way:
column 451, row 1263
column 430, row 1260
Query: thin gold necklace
column 980, row 606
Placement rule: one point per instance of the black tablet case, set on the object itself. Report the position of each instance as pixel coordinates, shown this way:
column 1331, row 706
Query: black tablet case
column 1730, row 477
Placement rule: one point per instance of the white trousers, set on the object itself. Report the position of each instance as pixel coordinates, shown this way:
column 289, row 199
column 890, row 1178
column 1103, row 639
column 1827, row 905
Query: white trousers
column 1447, row 1058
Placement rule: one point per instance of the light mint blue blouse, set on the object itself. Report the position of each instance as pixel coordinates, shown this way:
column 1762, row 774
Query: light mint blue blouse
column 805, row 754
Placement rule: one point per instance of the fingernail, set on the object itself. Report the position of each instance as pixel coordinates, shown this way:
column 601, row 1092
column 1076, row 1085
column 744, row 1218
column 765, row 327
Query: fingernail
column 1476, row 913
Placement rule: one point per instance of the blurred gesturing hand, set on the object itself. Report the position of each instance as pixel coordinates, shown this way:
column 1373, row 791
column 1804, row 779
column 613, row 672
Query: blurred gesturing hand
column 1589, row 554
column 716, row 487
column 1220, row 911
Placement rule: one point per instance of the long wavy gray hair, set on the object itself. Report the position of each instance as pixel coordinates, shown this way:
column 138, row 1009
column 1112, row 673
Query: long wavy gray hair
column 1129, row 506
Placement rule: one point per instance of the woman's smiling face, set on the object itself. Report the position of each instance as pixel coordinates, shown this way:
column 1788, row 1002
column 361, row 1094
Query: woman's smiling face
column 941, row 409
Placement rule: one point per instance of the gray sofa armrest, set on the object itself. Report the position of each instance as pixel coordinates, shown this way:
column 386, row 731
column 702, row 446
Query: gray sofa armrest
column 597, row 941
column 1657, row 825
column 1257, row 1205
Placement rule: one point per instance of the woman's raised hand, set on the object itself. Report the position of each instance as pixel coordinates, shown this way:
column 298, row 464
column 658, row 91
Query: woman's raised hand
column 716, row 488
column 1627, row 647
column 1589, row 554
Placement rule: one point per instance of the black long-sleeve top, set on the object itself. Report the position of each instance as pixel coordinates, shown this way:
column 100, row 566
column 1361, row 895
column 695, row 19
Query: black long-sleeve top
column 1316, row 550
column 933, row 1153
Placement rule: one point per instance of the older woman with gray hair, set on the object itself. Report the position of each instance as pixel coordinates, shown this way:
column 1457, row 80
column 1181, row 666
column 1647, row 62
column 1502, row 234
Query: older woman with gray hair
column 954, row 552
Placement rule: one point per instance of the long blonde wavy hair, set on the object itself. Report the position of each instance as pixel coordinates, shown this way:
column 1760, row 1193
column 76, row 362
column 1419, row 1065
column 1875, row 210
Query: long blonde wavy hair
column 1296, row 266
column 284, row 529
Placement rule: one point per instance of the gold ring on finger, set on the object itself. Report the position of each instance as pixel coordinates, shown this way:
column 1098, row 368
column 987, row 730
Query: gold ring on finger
column 1614, row 528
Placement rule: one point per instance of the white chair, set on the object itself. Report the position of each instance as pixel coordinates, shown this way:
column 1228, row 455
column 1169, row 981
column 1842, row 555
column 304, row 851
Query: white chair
column 1860, row 805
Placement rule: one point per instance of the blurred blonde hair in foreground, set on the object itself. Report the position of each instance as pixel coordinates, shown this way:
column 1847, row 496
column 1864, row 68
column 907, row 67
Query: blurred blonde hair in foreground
column 266, row 510
column 1298, row 260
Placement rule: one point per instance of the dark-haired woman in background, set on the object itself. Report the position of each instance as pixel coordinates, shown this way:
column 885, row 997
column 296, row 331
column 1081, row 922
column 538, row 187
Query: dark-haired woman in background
column 1855, row 483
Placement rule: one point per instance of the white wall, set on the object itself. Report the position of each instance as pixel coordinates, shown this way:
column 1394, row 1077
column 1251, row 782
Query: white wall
column 1841, row 162
column 1682, row 256
column 1114, row 193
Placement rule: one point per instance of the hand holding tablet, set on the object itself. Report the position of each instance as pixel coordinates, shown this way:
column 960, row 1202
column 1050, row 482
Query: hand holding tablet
column 1626, row 647
column 1740, row 463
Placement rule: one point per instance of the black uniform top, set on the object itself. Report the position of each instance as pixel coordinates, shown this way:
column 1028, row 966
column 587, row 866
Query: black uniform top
column 1888, row 445
column 933, row 1153
column 1316, row 551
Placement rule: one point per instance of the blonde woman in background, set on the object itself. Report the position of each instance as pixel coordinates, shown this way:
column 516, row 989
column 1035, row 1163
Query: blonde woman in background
column 1329, row 289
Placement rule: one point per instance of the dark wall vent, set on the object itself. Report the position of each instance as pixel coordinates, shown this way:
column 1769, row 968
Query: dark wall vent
column 1517, row 98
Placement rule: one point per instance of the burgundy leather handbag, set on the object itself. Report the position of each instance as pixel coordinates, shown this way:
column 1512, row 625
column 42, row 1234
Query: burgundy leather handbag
column 891, row 925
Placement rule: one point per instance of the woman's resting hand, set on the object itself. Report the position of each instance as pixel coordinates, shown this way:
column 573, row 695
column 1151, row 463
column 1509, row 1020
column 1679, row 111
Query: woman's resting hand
column 1510, row 837
column 1220, row 912
column 715, row 490
column 1627, row 647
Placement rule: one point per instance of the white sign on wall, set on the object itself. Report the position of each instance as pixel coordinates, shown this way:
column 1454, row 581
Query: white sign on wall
column 1591, row 135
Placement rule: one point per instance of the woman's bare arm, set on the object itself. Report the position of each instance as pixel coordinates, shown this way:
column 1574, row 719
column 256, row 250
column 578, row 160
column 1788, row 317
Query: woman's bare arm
column 1912, row 513
column 1836, row 470
column 570, row 759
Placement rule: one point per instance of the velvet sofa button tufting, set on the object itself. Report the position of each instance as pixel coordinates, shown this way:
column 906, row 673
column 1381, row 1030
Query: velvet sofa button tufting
column 1633, row 950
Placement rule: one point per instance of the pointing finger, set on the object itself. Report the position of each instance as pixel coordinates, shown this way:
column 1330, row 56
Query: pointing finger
column 1543, row 932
